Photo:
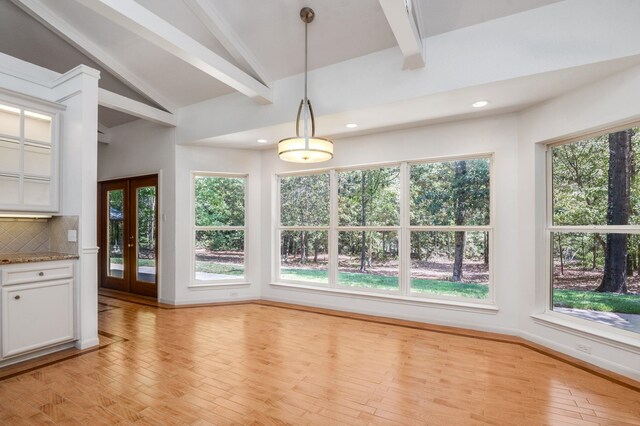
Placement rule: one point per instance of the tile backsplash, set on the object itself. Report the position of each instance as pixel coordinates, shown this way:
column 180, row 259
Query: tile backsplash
column 58, row 231
column 24, row 235
column 19, row 235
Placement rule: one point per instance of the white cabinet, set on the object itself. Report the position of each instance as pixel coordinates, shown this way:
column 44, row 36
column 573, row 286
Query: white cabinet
column 37, row 306
column 29, row 150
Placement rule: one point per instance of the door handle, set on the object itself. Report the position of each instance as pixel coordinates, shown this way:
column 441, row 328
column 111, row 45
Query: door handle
column 131, row 245
column 17, row 297
column 41, row 274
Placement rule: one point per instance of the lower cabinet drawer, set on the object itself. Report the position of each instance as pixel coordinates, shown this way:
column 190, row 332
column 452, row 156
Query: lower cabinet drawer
column 37, row 271
column 36, row 315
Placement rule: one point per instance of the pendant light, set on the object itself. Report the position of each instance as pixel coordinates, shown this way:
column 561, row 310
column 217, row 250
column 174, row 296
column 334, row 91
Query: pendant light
column 306, row 148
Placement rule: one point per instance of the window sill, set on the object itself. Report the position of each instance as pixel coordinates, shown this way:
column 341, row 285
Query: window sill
column 224, row 284
column 483, row 308
column 588, row 331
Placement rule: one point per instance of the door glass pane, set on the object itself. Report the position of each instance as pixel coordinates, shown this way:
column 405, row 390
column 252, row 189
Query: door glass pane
column 9, row 189
column 9, row 155
column 9, row 121
column 37, row 127
column 115, row 237
column 146, row 238
column 37, row 160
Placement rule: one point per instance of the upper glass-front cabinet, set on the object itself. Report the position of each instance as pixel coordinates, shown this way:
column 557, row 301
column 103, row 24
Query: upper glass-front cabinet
column 28, row 156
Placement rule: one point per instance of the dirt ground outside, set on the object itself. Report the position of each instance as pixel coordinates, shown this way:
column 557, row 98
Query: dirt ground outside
column 587, row 279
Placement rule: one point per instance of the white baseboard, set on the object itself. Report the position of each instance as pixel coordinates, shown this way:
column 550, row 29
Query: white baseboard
column 591, row 359
column 87, row 343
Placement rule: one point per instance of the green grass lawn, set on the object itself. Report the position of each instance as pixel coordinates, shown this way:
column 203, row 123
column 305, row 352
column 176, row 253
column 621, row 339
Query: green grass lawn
column 380, row 282
column 219, row 268
column 592, row 301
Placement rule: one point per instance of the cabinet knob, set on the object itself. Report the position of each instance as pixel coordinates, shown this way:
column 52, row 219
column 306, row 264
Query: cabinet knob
column 17, row 297
column 41, row 274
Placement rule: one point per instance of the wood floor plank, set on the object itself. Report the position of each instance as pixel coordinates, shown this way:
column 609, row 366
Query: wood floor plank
column 257, row 364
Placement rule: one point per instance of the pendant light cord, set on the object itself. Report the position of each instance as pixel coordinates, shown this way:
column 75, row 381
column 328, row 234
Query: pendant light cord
column 306, row 99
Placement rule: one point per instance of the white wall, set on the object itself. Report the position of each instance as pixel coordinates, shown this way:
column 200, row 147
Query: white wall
column 141, row 148
column 189, row 159
column 601, row 106
column 518, row 187
column 497, row 135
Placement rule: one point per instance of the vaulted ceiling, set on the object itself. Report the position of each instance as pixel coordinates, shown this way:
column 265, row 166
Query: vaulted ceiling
column 266, row 40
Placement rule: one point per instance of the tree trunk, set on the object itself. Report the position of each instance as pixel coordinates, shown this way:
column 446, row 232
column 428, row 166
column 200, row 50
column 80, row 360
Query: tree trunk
column 614, row 279
column 561, row 254
column 594, row 263
column 363, row 248
column 486, row 248
column 460, row 196
column 316, row 247
column 303, row 247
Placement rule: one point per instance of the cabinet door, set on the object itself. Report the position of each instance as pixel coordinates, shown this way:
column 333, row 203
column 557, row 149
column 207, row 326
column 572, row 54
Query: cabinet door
column 36, row 315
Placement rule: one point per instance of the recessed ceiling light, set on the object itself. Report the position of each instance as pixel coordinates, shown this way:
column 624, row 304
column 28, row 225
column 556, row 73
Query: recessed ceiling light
column 262, row 141
column 351, row 126
column 480, row 104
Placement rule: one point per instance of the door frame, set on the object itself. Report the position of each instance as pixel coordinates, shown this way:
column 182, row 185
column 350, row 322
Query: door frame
column 159, row 224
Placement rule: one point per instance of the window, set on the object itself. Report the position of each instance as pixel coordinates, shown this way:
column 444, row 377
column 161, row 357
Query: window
column 450, row 218
column 594, row 229
column 304, row 230
column 219, row 228
column 408, row 229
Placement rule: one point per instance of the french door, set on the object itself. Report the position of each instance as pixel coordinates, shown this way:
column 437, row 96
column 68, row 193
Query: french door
column 128, row 235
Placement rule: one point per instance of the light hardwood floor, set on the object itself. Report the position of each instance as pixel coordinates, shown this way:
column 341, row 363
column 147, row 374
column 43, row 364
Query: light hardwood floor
column 256, row 364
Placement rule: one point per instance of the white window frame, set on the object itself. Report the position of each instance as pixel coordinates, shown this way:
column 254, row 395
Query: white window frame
column 223, row 281
column 608, row 334
column 404, row 229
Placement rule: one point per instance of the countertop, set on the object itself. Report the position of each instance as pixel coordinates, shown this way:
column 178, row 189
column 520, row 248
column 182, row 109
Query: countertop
column 9, row 258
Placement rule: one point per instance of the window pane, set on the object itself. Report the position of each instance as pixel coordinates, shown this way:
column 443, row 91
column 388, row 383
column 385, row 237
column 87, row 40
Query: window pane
column 37, row 127
column 304, row 256
column 9, row 121
column 304, row 200
column 450, row 263
column 596, row 175
column 219, row 201
column 368, row 259
column 450, row 193
column 219, row 255
column 597, row 277
column 369, row 197
column 9, row 155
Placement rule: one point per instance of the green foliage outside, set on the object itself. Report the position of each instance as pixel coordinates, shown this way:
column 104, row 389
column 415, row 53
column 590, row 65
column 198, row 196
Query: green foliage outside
column 603, row 302
column 219, row 201
column 580, row 197
column 220, row 268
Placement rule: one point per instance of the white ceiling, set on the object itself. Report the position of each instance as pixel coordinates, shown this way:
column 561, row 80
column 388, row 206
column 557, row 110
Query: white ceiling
column 270, row 29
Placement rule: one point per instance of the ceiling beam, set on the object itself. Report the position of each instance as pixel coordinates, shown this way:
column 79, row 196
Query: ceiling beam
column 137, row 19
column 212, row 19
column 44, row 15
column 400, row 18
column 123, row 104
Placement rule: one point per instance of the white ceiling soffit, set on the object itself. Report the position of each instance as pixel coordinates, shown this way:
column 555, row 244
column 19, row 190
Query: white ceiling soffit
column 66, row 31
column 402, row 19
column 144, row 23
column 504, row 97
